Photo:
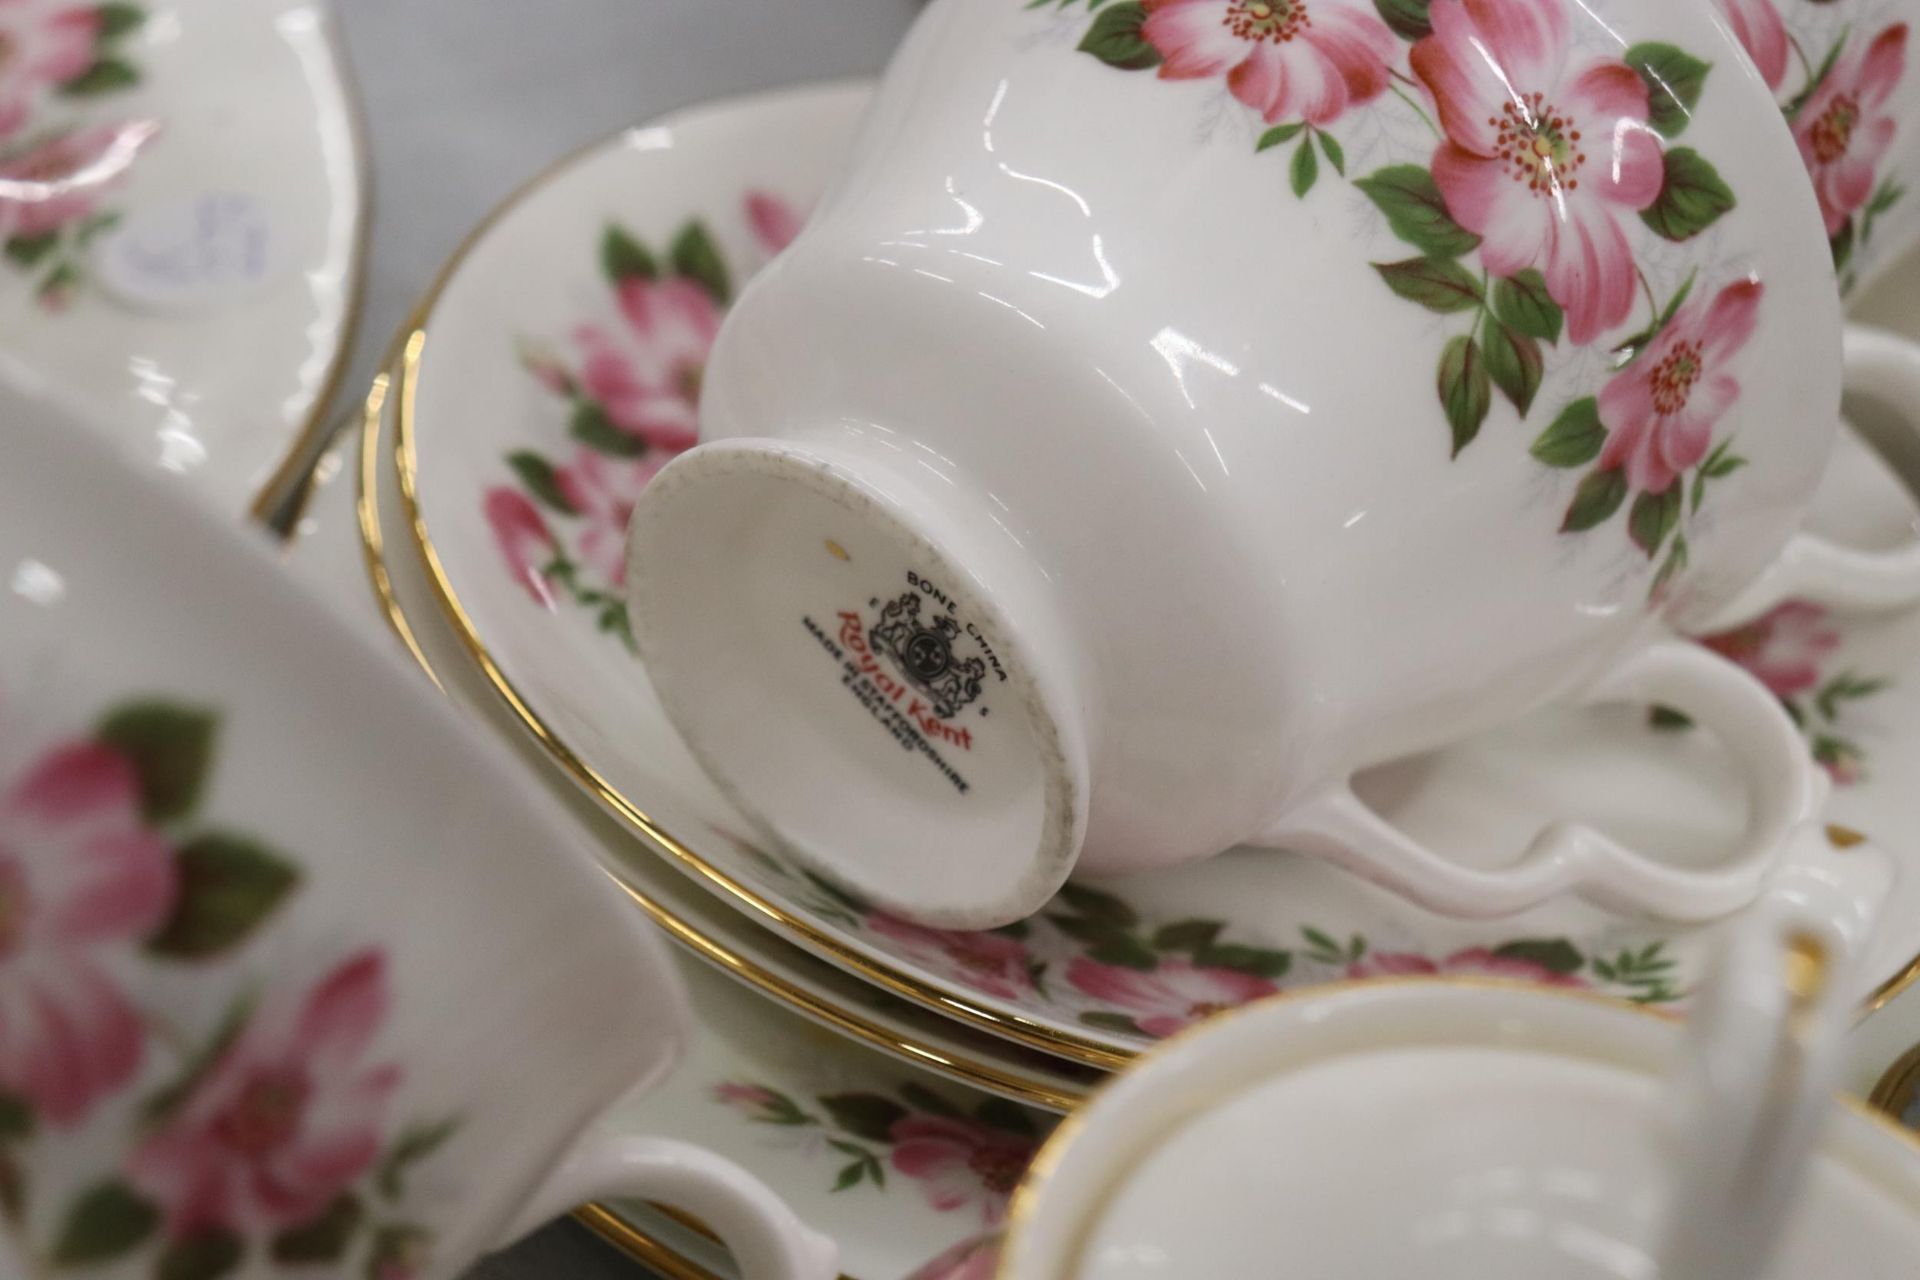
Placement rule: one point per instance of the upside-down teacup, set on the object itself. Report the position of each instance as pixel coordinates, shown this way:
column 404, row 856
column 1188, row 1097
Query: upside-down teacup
column 1178, row 406
column 297, row 976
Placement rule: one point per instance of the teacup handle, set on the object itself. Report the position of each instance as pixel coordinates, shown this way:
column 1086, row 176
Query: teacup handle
column 1763, row 1058
column 1884, row 367
column 1784, row 788
column 767, row 1240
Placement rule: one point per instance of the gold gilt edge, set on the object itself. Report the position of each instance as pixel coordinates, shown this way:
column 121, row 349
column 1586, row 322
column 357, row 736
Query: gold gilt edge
column 281, row 499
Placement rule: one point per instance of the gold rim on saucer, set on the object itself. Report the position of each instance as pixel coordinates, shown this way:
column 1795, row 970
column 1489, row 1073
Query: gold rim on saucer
column 1899, row 1088
column 1045, row 1037
column 968, row 1070
column 1904, row 1075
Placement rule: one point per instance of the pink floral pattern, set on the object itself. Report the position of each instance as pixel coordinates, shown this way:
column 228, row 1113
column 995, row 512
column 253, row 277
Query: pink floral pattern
column 58, row 159
column 1763, row 34
column 1544, row 152
column 991, row 963
column 633, row 393
column 1844, row 129
column 961, row 1161
column 1171, row 996
column 287, row 1118
column 1307, row 60
column 1789, row 650
column 82, row 875
column 1554, row 166
column 268, row 1132
column 1660, row 411
column 976, row 1259
column 1474, row 962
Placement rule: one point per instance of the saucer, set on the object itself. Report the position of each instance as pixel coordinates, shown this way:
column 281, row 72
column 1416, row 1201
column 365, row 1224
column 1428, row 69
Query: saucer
column 860, row 1110
column 329, row 547
column 213, row 204
column 555, row 367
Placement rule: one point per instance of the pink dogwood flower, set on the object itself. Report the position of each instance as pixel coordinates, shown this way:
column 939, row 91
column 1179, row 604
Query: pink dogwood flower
column 42, row 46
column 1660, row 411
column 775, row 222
column 1169, row 998
column 286, row 1118
column 1782, row 648
column 1762, row 34
column 1543, row 153
column 523, row 538
column 990, row 963
column 1287, row 59
column 1844, row 129
column 1473, row 962
column 646, row 372
column 959, row 1163
column 603, row 490
column 62, row 180
column 80, row 875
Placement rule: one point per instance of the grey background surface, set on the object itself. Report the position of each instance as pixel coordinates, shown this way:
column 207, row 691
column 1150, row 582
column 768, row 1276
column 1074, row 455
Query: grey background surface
column 466, row 99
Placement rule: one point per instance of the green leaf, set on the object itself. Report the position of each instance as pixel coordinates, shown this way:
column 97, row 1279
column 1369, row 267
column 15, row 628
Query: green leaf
column 1692, row 199
column 169, row 1098
column 1840, row 245
column 850, row 1175
column 1125, row 951
column 1598, row 497
column 1674, row 79
column 322, row 1240
column 1107, row 1020
column 229, row 886
column 1555, row 955
column 106, row 75
column 1514, row 363
column 623, row 258
column 1846, row 687
column 1653, row 517
column 28, row 250
column 1094, row 904
column 1115, row 38
column 1667, row 720
column 1722, row 466
column 1321, row 941
column 1406, row 18
column 171, row 749
column 1675, row 562
column 13, row 1191
column 117, row 19
column 1465, row 392
column 592, row 427
column 1574, row 438
column 1522, row 302
column 1305, row 168
column 1438, row 284
column 1186, row 935
column 541, row 480
column 1408, row 196
column 1819, row 76
column 204, row 1255
column 1006, row 1116
column 108, row 1221
column 415, row 1144
column 865, row 1115
column 1090, row 931
column 1335, row 153
column 16, row 1118
column 1258, row 961
column 1278, row 134
column 695, row 256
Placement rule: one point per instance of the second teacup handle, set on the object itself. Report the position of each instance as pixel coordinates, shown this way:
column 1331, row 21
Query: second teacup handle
column 1784, row 789
column 767, row 1240
column 1883, row 367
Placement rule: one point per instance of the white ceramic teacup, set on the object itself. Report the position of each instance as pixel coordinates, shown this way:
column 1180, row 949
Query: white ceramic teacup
column 298, row 976
column 1443, row 1128
column 1177, row 407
